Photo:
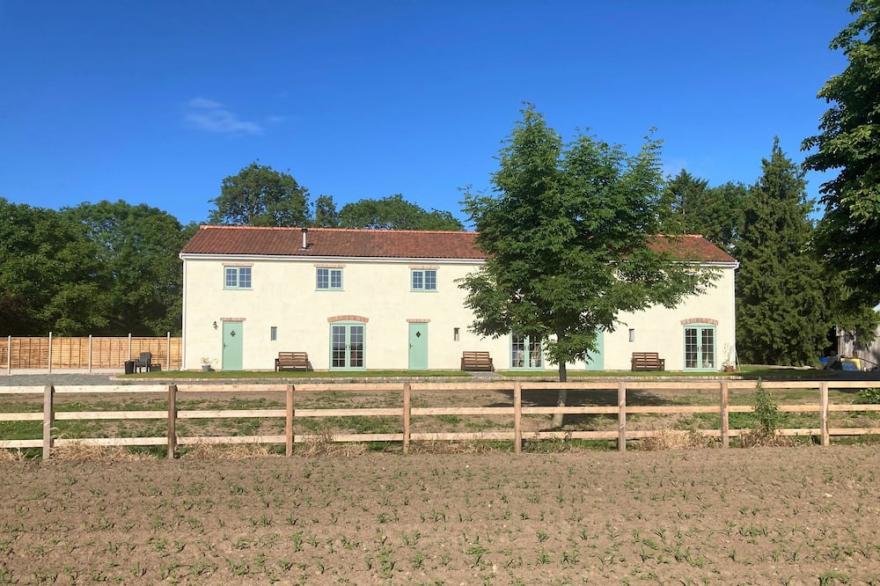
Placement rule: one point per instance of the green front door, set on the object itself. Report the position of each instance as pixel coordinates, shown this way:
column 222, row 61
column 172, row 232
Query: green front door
column 418, row 346
column 232, row 345
column 596, row 360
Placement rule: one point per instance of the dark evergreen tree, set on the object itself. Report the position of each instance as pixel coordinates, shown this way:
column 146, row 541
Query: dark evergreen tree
column 781, row 310
column 690, row 206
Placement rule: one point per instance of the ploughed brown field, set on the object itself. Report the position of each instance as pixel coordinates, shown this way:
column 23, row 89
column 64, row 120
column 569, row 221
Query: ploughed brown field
column 760, row 516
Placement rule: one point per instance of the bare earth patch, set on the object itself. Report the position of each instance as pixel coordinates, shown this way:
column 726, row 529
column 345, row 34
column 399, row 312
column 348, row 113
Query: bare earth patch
column 777, row 515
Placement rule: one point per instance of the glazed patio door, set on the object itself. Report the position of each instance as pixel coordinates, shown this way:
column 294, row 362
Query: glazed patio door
column 699, row 348
column 347, row 346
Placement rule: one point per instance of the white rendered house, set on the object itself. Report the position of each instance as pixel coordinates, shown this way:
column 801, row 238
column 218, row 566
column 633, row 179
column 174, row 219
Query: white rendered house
column 381, row 299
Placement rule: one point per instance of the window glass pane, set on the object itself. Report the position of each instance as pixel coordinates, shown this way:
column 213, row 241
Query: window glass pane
column 707, row 348
column 417, row 279
column 356, row 346
column 273, row 333
column 323, row 279
column 231, row 277
column 431, row 280
column 244, row 277
column 336, row 279
column 517, row 351
column 690, row 347
column 337, row 346
column 535, row 352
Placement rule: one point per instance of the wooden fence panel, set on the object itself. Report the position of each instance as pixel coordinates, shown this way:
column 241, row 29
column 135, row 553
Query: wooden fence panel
column 32, row 352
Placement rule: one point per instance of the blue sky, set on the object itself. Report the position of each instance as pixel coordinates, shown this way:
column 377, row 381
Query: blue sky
column 156, row 102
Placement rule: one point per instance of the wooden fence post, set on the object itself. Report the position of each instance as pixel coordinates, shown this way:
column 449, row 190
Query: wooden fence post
column 621, row 416
column 517, row 417
column 129, row 345
column 407, row 412
column 288, row 423
column 90, row 354
column 823, row 413
column 50, row 352
column 168, row 351
column 725, row 414
column 9, row 355
column 48, row 419
column 172, row 421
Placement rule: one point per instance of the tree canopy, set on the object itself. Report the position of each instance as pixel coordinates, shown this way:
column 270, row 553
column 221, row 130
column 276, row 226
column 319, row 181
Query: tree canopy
column 781, row 310
column 258, row 195
column 849, row 144
column 567, row 232
column 690, row 206
column 137, row 248
column 395, row 213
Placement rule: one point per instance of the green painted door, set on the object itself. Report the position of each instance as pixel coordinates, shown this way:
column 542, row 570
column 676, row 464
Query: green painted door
column 232, row 345
column 596, row 360
column 418, row 346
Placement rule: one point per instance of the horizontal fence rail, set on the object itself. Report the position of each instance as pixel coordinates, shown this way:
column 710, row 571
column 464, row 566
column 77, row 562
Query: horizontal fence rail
column 289, row 413
column 86, row 352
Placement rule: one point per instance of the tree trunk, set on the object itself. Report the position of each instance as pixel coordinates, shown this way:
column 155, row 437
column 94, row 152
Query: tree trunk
column 559, row 418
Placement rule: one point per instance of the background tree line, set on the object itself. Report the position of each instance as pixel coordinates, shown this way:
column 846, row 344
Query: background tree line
column 111, row 268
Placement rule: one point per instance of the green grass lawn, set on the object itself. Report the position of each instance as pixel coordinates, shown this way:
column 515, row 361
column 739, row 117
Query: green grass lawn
column 264, row 374
column 746, row 371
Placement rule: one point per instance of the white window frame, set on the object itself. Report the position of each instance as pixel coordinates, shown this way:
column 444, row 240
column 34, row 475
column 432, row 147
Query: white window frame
column 330, row 274
column 423, row 280
column 237, row 271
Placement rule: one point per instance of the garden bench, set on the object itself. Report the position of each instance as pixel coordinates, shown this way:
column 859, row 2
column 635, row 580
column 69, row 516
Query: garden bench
column 648, row 361
column 477, row 361
column 292, row 361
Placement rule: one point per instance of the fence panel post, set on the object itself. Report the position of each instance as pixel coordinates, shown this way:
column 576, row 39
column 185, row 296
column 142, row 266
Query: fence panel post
column 725, row 414
column 90, row 354
column 621, row 416
column 129, row 345
column 288, row 423
column 172, row 421
column 50, row 352
column 168, row 351
column 823, row 413
column 48, row 419
column 9, row 355
column 407, row 412
column 517, row 417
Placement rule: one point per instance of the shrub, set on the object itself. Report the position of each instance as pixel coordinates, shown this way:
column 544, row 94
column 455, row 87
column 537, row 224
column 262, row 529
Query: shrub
column 766, row 412
column 868, row 397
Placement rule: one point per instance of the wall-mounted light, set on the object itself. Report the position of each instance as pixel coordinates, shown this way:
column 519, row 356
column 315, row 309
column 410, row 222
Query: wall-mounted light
column 214, row 325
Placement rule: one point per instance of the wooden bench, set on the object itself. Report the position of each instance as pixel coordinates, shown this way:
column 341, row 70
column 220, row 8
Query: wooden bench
column 477, row 361
column 648, row 361
column 292, row 361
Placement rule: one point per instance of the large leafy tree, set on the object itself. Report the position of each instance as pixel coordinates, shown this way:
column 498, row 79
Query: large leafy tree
column 51, row 278
column 137, row 247
column 849, row 143
column 258, row 195
column 690, row 206
column 568, row 235
column 326, row 215
column 395, row 213
column 781, row 310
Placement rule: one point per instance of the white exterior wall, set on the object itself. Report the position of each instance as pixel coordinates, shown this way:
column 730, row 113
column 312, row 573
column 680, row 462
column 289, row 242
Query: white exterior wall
column 283, row 294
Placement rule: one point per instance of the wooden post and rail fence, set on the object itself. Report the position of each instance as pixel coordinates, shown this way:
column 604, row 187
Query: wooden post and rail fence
column 86, row 352
column 517, row 410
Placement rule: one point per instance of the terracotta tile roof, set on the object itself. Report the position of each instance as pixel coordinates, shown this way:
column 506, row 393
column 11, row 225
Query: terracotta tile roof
column 343, row 242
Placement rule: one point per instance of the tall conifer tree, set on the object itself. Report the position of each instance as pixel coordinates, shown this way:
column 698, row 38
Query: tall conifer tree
column 780, row 306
